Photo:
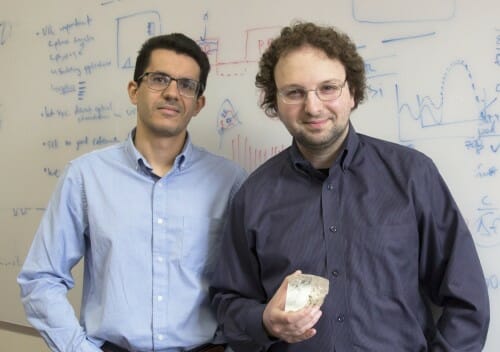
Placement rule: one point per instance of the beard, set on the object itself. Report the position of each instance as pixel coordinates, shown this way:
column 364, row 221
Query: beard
column 325, row 140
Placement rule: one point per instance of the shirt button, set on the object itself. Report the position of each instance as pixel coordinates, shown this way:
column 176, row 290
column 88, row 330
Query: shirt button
column 160, row 337
column 340, row 318
column 160, row 221
column 160, row 259
column 333, row 228
column 335, row 273
column 160, row 298
column 329, row 187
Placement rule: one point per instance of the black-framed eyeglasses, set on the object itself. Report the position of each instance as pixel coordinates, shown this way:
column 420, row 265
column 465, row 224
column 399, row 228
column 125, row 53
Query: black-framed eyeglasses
column 159, row 81
column 326, row 91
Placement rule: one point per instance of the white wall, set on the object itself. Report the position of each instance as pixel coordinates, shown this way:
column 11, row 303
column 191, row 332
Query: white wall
column 433, row 74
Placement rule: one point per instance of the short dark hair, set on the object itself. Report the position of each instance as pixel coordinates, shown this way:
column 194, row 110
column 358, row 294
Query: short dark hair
column 179, row 43
column 335, row 44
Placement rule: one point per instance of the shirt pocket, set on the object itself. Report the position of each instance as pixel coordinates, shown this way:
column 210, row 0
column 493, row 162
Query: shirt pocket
column 201, row 243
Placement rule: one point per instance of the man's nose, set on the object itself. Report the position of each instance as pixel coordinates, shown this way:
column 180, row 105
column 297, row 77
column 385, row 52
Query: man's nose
column 312, row 103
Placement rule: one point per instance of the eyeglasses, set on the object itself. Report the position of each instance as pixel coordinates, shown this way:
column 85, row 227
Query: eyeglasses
column 326, row 91
column 159, row 81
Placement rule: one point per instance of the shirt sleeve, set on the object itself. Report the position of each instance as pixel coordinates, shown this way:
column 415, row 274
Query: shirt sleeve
column 45, row 277
column 236, row 278
column 450, row 270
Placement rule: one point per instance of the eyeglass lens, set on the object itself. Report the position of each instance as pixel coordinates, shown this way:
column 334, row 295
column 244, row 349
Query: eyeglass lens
column 160, row 81
column 326, row 91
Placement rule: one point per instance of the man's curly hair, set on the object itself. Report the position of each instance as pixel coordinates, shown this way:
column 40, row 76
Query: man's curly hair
column 335, row 44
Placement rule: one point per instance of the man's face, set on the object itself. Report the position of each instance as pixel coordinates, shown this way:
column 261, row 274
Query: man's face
column 166, row 113
column 317, row 126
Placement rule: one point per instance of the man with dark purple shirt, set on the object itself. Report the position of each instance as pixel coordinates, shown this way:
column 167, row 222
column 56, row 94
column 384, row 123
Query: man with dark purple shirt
column 374, row 218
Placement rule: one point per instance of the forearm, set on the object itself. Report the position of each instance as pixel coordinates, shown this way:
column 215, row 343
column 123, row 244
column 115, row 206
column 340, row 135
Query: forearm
column 46, row 274
column 463, row 324
column 463, row 296
column 241, row 319
column 451, row 271
column 49, row 311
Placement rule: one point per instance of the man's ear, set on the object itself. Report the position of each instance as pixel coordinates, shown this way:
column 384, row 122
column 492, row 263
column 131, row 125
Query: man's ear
column 200, row 103
column 132, row 91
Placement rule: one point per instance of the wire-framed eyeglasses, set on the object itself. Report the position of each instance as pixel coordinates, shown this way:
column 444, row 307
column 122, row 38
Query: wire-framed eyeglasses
column 326, row 91
column 159, row 81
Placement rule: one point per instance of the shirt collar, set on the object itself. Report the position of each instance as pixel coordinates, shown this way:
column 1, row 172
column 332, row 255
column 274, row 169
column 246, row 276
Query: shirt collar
column 182, row 160
column 349, row 148
column 351, row 145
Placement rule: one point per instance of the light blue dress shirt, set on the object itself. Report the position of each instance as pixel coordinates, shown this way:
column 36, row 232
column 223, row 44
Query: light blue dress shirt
column 149, row 245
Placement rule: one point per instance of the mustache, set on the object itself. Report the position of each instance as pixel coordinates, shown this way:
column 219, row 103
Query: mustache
column 169, row 104
column 318, row 118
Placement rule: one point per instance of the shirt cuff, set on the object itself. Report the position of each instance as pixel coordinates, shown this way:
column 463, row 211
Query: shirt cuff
column 255, row 327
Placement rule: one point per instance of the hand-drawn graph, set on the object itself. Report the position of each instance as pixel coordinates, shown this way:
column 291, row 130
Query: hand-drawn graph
column 256, row 41
column 149, row 23
column 394, row 11
column 250, row 157
column 429, row 118
column 127, row 39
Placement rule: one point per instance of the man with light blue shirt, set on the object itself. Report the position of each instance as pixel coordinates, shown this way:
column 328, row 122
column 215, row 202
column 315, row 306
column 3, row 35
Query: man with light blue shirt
column 146, row 215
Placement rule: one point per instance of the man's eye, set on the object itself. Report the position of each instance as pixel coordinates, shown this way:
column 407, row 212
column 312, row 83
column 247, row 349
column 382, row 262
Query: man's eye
column 294, row 93
column 189, row 85
column 160, row 79
column 329, row 88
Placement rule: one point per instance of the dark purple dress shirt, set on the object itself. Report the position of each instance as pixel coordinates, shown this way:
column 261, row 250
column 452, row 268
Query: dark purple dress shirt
column 381, row 225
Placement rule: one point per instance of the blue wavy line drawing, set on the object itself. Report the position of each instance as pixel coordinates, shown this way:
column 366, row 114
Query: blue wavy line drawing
column 429, row 118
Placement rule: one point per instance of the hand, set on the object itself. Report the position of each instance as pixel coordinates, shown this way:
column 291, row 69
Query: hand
column 289, row 326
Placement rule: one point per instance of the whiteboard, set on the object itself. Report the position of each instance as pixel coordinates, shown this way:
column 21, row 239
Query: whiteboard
column 433, row 84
